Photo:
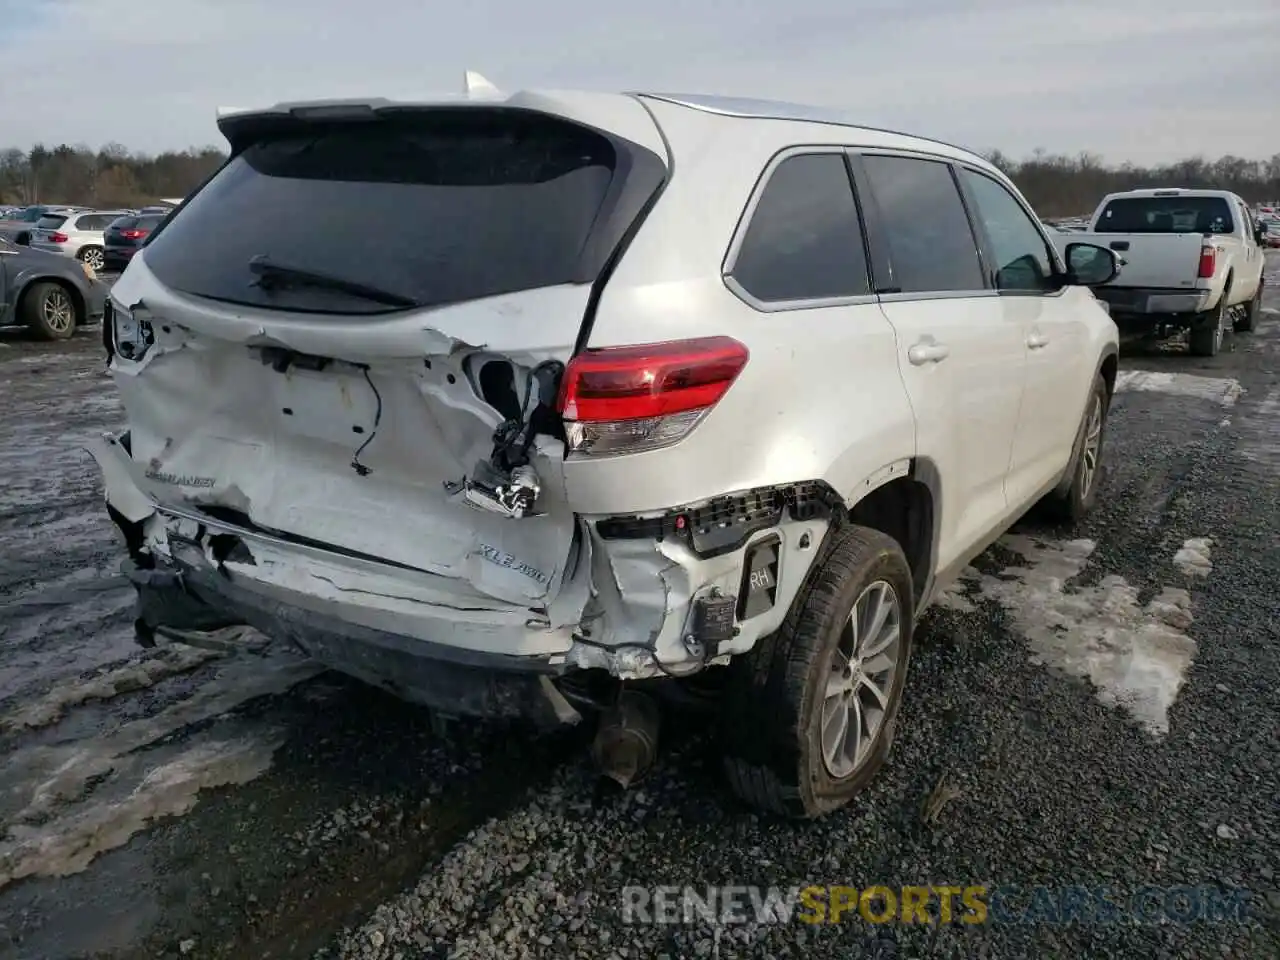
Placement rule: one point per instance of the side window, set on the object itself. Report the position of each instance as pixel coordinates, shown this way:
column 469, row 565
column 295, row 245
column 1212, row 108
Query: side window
column 931, row 242
column 804, row 241
column 1023, row 262
column 1248, row 223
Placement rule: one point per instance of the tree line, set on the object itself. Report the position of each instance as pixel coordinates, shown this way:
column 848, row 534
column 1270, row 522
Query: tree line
column 110, row 177
column 1057, row 185
column 1066, row 186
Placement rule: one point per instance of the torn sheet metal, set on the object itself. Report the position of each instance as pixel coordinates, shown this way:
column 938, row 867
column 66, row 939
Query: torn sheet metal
column 644, row 593
column 221, row 425
column 121, row 492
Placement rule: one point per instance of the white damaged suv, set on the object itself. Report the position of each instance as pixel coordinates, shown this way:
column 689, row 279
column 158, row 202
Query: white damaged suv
column 507, row 405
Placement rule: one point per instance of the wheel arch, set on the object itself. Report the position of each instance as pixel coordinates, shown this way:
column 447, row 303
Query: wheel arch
column 906, row 506
column 1109, row 368
column 77, row 298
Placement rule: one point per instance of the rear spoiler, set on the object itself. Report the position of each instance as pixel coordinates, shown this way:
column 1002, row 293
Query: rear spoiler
column 616, row 115
column 474, row 87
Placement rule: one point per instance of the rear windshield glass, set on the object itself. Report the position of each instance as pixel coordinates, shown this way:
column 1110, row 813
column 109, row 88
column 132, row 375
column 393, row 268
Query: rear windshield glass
column 50, row 221
column 150, row 222
column 1166, row 215
column 433, row 208
column 123, row 223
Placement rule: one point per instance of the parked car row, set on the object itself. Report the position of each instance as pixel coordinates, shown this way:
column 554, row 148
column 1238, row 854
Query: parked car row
column 16, row 225
column 103, row 239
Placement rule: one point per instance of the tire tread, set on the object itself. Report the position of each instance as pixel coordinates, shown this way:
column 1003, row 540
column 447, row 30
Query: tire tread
column 763, row 721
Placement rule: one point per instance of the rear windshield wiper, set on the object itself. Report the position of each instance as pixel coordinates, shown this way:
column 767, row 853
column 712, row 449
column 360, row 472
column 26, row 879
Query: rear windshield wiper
column 271, row 275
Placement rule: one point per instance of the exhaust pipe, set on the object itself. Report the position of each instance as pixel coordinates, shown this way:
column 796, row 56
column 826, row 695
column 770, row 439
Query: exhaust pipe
column 626, row 743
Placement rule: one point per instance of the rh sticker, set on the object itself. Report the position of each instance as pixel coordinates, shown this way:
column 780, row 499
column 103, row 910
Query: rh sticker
column 502, row 559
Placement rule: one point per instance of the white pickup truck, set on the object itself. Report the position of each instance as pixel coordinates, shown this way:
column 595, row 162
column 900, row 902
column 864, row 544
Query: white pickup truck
column 1193, row 260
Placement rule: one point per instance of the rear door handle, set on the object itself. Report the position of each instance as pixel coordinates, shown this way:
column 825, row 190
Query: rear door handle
column 927, row 351
column 1037, row 340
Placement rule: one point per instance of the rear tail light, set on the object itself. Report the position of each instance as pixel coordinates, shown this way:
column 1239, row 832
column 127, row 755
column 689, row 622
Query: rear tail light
column 58, row 238
column 134, row 234
column 630, row 399
column 1208, row 262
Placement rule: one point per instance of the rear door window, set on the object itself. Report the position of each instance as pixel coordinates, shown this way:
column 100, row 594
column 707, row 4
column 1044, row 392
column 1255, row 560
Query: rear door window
column 94, row 221
column 433, row 207
column 931, row 243
column 804, row 241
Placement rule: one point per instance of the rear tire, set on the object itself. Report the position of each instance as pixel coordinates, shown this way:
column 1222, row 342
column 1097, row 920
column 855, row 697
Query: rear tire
column 1247, row 320
column 792, row 687
column 1074, row 502
column 1205, row 338
column 49, row 311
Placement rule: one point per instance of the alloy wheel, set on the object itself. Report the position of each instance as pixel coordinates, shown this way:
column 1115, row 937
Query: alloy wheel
column 58, row 311
column 1092, row 446
column 864, row 666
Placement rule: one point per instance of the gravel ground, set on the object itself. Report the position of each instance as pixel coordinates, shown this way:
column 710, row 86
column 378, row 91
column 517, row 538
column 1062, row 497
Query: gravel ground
column 1090, row 707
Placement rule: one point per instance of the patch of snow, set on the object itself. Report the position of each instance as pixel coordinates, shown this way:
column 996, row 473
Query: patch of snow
column 952, row 596
column 1135, row 656
column 1193, row 557
column 84, row 797
column 140, row 675
column 1259, row 439
column 1223, row 390
column 70, row 844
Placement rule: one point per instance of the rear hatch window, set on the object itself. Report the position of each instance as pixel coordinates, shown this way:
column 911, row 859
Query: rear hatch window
column 51, row 221
column 428, row 207
column 1166, row 215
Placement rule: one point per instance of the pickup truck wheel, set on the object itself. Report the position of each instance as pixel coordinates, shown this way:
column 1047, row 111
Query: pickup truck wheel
column 1205, row 338
column 49, row 311
column 1073, row 503
column 1247, row 319
column 808, row 716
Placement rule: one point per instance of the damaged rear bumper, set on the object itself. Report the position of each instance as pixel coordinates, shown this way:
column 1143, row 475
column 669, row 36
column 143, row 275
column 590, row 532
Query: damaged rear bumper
column 454, row 681
column 412, row 633
column 643, row 597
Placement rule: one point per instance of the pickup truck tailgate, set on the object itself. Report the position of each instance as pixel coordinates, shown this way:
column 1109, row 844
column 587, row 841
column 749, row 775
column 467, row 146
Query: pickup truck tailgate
column 1168, row 261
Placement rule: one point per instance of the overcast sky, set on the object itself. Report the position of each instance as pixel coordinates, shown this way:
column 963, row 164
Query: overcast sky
column 1140, row 80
